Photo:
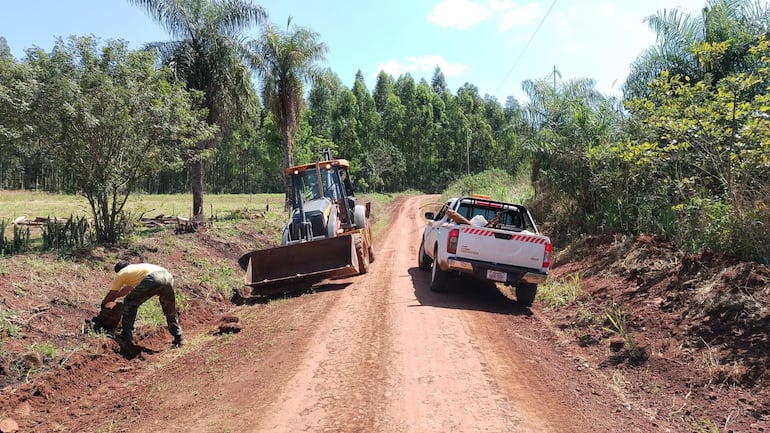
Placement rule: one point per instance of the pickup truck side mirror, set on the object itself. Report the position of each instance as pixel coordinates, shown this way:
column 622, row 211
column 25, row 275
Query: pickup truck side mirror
column 430, row 215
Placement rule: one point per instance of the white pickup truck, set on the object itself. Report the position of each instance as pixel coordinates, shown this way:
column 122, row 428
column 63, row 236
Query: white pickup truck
column 487, row 239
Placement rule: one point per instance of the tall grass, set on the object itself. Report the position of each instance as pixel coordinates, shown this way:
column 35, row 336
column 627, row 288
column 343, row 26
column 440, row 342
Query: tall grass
column 497, row 184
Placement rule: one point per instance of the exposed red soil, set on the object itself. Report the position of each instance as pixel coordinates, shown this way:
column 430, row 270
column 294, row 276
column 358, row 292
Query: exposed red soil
column 380, row 352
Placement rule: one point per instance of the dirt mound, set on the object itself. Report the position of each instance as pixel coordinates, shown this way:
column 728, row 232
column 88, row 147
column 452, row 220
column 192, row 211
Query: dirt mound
column 700, row 326
column 47, row 308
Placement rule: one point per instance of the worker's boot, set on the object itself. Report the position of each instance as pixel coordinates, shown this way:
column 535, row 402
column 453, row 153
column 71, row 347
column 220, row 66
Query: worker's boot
column 124, row 340
column 178, row 341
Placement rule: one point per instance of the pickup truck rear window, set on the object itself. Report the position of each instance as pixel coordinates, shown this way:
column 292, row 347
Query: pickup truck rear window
column 508, row 217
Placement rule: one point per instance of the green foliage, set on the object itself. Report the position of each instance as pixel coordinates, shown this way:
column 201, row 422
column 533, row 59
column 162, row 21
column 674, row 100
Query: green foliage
column 18, row 244
column 75, row 232
column 46, row 350
column 284, row 61
column 496, row 183
column 561, row 292
column 729, row 28
column 702, row 157
column 114, row 118
column 7, row 327
column 618, row 325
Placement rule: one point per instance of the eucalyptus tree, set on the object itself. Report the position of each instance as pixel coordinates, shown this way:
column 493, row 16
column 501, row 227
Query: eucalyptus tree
column 5, row 50
column 15, row 86
column 321, row 99
column 679, row 36
column 285, row 60
column 383, row 88
column 208, row 55
column 454, row 144
column 476, row 137
column 346, row 127
column 438, row 83
column 368, row 120
column 392, row 114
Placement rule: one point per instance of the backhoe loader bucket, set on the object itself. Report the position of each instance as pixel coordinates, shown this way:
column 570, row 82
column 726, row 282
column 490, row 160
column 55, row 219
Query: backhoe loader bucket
column 312, row 261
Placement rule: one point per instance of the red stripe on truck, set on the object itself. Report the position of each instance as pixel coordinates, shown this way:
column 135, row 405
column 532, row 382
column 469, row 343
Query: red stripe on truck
column 515, row 237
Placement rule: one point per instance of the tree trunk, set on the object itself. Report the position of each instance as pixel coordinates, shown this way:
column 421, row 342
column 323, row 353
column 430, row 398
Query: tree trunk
column 288, row 161
column 197, row 187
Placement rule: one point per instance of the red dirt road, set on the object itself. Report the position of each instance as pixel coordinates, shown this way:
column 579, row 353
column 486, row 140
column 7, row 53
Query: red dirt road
column 381, row 353
column 374, row 353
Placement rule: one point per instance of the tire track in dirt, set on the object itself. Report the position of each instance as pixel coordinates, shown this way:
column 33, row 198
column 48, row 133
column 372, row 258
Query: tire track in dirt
column 438, row 377
column 391, row 356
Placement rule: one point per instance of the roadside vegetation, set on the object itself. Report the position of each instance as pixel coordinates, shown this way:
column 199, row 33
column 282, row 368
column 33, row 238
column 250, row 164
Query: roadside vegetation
column 684, row 156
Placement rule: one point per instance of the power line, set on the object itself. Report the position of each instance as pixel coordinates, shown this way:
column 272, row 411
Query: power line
column 527, row 46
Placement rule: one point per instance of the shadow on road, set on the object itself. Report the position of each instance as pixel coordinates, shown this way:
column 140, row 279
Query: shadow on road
column 464, row 293
column 263, row 295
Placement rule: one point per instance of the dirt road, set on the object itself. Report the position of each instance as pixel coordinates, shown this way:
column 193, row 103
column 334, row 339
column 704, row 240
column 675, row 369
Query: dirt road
column 393, row 357
column 381, row 353
column 373, row 353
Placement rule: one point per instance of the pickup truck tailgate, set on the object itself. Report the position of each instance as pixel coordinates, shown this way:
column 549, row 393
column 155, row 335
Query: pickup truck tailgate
column 502, row 247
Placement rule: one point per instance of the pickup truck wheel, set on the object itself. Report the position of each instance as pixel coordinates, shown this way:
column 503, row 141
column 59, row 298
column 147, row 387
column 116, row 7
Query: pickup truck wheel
column 438, row 278
column 423, row 260
column 525, row 294
column 362, row 254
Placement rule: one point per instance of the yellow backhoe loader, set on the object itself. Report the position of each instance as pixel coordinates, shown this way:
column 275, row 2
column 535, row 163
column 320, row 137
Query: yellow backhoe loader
column 327, row 235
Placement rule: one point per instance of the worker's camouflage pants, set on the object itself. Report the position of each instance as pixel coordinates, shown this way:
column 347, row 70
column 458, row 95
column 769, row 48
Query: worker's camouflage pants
column 159, row 283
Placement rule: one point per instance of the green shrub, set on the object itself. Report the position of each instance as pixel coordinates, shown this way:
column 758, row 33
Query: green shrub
column 20, row 242
column 73, row 233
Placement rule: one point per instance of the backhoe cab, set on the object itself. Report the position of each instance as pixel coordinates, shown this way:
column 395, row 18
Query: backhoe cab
column 327, row 235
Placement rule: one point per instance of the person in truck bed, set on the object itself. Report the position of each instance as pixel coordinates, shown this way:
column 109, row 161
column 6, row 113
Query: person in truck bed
column 138, row 283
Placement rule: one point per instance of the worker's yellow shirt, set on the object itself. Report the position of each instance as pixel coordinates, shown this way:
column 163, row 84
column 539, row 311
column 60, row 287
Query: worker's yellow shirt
column 132, row 275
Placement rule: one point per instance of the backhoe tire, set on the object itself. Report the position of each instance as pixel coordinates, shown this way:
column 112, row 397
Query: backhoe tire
column 371, row 247
column 359, row 217
column 525, row 294
column 362, row 254
column 424, row 261
column 438, row 278
column 331, row 224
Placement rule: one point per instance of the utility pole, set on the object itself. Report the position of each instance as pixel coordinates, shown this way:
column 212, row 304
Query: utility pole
column 468, row 151
column 554, row 78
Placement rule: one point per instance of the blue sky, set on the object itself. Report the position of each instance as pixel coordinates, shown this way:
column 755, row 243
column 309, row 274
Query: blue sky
column 492, row 44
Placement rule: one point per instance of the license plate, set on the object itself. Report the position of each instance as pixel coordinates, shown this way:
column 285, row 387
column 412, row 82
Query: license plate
column 497, row 275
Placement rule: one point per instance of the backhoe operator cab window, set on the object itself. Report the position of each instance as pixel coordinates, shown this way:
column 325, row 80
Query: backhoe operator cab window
column 346, row 182
column 318, row 183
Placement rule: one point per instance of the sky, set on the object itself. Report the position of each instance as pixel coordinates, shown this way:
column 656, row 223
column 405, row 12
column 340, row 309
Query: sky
column 494, row 45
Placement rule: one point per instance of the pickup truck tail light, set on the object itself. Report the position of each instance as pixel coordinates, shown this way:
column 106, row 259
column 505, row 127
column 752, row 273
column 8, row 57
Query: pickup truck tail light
column 547, row 255
column 451, row 242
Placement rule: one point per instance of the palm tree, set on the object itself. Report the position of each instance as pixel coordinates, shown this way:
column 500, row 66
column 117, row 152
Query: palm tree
column 209, row 55
column 562, row 121
column 739, row 22
column 285, row 60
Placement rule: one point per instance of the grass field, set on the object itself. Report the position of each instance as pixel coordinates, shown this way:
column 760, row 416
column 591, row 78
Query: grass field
column 31, row 204
column 14, row 204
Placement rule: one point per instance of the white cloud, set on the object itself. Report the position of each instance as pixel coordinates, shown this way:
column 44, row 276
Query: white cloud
column 463, row 14
column 458, row 13
column 501, row 5
column 519, row 16
column 422, row 65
